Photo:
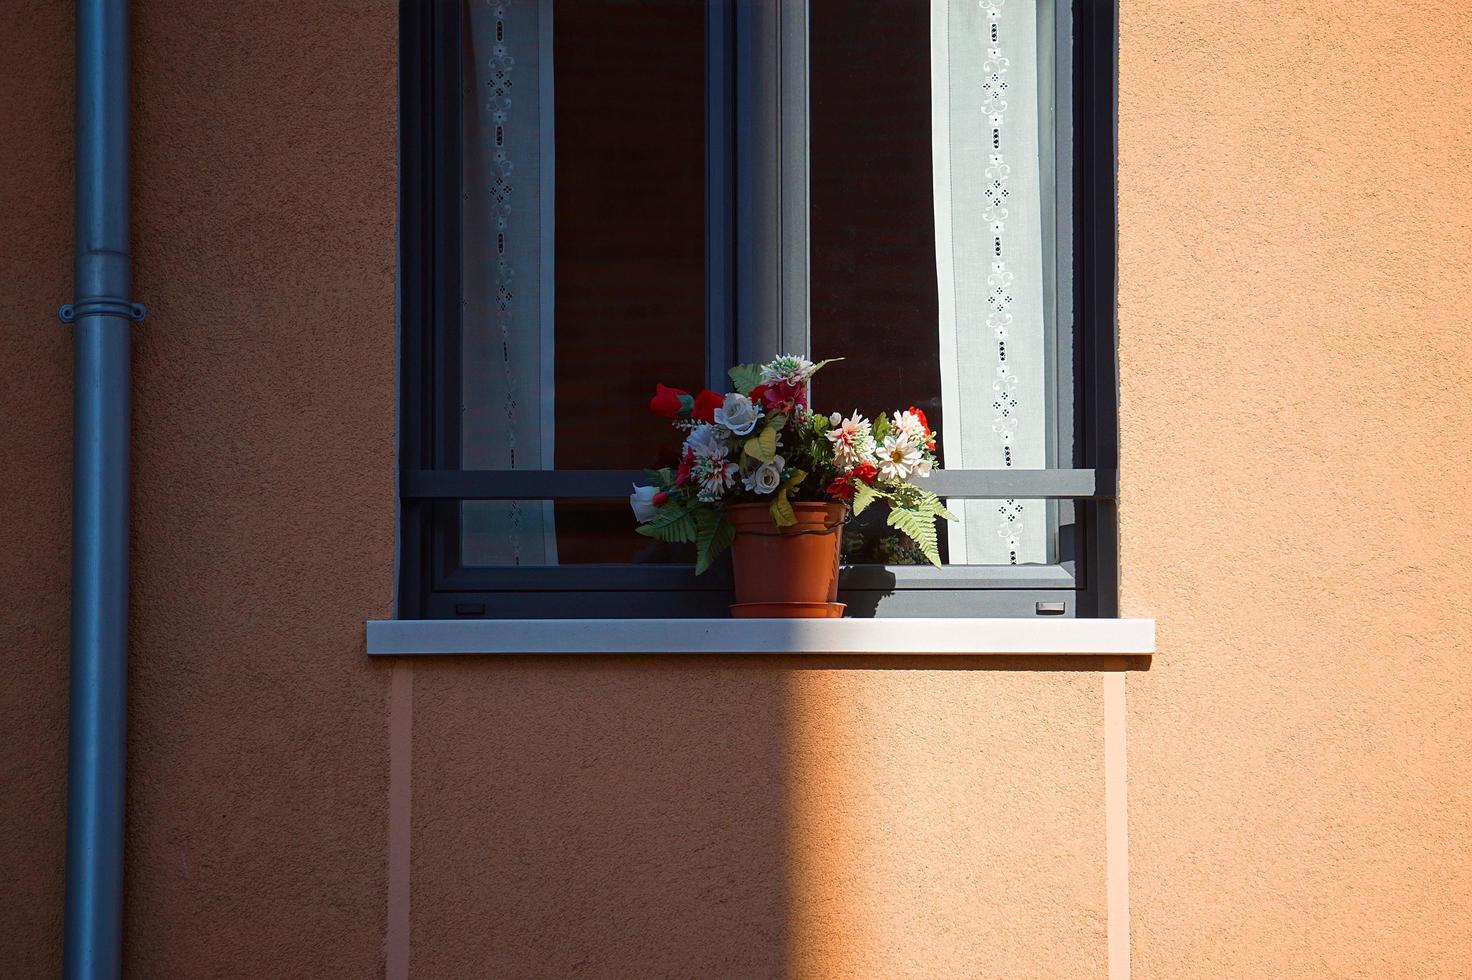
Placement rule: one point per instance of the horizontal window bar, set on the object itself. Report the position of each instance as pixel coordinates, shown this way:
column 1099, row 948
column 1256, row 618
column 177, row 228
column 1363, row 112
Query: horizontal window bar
column 569, row 484
column 879, row 578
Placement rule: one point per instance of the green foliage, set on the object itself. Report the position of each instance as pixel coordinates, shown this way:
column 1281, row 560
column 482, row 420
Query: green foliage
column 713, row 535
column 763, row 445
column 819, row 366
column 745, row 377
column 912, row 512
column 919, row 527
column 673, row 524
column 864, row 495
column 781, row 508
column 881, row 427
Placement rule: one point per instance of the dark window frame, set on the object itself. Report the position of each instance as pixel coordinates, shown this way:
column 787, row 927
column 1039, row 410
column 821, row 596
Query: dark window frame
column 432, row 584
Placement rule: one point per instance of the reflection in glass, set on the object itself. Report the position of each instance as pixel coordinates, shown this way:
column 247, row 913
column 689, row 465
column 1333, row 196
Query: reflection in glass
column 583, row 239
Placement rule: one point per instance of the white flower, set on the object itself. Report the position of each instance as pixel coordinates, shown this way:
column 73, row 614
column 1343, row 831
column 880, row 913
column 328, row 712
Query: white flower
column 788, row 367
column 922, row 468
column 853, row 440
column 716, row 475
column 738, row 414
column 765, row 478
column 898, row 458
column 908, row 424
column 705, row 440
column 836, row 418
column 642, row 500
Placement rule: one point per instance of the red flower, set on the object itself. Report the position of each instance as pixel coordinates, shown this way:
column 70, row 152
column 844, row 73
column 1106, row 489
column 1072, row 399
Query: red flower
column 670, row 403
column 865, row 471
column 780, row 397
column 659, row 499
column 687, row 465
column 929, row 432
column 706, row 404
column 841, row 489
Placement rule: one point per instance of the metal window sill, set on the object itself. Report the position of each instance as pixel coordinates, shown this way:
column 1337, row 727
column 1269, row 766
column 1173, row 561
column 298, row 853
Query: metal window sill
column 1071, row 637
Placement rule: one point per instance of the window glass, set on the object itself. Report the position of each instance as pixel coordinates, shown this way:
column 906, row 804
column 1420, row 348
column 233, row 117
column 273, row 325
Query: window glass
column 583, row 251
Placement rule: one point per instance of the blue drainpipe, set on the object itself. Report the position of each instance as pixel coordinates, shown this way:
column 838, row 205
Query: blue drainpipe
column 102, row 318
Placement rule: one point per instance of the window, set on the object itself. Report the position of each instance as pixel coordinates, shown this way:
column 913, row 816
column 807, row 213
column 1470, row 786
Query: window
column 601, row 194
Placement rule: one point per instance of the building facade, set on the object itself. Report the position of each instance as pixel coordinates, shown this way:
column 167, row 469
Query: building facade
column 1293, row 258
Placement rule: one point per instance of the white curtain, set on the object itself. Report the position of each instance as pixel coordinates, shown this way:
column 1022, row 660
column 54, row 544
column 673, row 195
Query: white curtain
column 507, row 246
column 993, row 219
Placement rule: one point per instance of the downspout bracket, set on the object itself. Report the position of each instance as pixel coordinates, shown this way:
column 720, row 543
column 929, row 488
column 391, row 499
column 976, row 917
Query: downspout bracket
column 102, row 306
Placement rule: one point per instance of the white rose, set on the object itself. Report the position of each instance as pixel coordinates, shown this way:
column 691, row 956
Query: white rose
column 737, row 414
column 704, row 440
column 765, row 478
column 642, row 500
column 835, row 419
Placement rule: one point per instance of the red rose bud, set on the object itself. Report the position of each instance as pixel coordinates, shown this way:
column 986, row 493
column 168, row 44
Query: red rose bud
column 669, row 403
column 705, row 407
column 659, row 499
column 841, row 489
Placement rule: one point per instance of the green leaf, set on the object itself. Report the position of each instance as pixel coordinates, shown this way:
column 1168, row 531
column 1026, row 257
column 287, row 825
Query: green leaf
column 762, row 446
column 781, row 510
column 713, row 535
column 673, row 524
column 745, row 377
column 864, row 495
column 817, row 367
column 881, row 427
column 919, row 527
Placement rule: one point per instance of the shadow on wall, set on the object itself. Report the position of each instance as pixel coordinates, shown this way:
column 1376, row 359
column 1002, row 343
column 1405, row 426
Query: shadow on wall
column 740, row 817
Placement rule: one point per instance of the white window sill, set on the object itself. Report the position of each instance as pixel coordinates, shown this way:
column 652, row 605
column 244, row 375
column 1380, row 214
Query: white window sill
column 1111, row 637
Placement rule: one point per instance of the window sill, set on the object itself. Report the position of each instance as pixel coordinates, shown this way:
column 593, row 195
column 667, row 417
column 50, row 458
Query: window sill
column 1110, row 637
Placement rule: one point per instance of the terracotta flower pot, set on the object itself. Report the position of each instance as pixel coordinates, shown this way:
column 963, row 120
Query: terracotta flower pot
column 787, row 572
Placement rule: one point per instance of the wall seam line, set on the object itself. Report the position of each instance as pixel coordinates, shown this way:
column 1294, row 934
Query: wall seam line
column 400, row 798
column 1116, row 827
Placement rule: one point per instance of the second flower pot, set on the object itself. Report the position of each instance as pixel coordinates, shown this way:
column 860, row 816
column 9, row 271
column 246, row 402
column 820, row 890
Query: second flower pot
column 787, row 572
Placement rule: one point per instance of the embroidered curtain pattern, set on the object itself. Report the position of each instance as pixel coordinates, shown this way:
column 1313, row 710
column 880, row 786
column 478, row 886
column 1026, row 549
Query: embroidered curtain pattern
column 991, row 232
column 506, row 288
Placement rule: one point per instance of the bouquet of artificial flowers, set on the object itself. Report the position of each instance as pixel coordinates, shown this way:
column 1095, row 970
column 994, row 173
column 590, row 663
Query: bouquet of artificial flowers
column 763, row 444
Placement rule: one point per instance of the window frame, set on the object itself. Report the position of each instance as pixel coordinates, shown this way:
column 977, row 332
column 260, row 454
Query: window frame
column 756, row 83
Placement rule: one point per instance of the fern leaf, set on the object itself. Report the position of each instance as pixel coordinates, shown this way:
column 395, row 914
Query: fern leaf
column 919, row 527
column 864, row 495
column 713, row 535
column 672, row 524
column 745, row 377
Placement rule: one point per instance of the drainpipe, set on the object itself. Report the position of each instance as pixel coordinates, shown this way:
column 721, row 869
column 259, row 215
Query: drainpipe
column 102, row 318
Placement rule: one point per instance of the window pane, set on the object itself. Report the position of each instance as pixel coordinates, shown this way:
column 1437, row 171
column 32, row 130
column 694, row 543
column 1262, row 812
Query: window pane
column 935, row 236
column 583, row 242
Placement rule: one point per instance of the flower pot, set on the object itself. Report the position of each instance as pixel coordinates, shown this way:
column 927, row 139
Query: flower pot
column 787, row 572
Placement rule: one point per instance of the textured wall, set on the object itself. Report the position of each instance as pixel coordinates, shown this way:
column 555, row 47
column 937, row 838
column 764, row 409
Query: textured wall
column 263, row 462
column 1296, row 257
column 35, row 479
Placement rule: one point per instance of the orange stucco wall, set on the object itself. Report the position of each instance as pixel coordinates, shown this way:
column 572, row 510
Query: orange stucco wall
column 1295, row 246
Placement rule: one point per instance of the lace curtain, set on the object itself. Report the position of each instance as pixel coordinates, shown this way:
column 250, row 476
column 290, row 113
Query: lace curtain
column 991, row 134
column 506, row 289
